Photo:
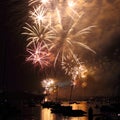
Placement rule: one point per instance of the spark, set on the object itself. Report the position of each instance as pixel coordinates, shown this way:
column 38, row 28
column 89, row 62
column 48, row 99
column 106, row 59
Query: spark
column 39, row 55
column 38, row 14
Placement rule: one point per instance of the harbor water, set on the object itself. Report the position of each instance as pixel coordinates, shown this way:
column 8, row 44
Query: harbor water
column 40, row 113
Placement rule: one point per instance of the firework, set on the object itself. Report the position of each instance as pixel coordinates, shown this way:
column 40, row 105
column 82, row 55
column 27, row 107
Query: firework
column 31, row 2
column 48, row 84
column 67, row 34
column 68, row 65
column 57, row 24
column 74, row 68
column 38, row 33
column 39, row 55
column 79, row 71
column 67, row 41
column 38, row 14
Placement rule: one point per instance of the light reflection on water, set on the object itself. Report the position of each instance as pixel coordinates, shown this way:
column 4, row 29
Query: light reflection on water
column 47, row 115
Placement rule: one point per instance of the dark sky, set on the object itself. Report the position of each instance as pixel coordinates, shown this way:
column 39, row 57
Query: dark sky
column 16, row 74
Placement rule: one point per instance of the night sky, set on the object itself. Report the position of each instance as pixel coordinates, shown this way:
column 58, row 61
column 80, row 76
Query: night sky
column 17, row 74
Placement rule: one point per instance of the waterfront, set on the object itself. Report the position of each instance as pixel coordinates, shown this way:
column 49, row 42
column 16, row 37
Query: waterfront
column 40, row 113
column 103, row 108
column 47, row 115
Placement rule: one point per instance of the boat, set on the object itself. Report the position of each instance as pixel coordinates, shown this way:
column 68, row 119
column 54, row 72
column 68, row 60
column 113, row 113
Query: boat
column 74, row 113
column 61, row 109
column 67, row 111
column 50, row 104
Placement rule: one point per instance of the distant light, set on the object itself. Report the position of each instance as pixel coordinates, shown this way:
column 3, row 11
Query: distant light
column 46, row 99
column 74, row 83
column 84, row 74
column 84, row 84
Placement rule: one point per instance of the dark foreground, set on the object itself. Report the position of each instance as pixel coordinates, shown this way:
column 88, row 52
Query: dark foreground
column 28, row 107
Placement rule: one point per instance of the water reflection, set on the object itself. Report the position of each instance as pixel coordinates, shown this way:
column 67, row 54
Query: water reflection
column 47, row 115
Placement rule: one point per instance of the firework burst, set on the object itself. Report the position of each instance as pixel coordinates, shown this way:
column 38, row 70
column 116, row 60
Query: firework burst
column 75, row 69
column 38, row 14
column 38, row 32
column 56, row 24
column 66, row 42
column 39, row 55
column 48, row 84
